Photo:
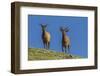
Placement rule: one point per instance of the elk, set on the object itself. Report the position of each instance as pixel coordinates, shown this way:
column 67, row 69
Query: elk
column 65, row 40
column 45, row 36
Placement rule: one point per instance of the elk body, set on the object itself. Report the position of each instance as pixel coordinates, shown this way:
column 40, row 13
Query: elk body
column 45, row 37
column 65, row 40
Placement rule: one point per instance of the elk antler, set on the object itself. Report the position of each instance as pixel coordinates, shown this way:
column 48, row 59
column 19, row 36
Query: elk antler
column 66, row 29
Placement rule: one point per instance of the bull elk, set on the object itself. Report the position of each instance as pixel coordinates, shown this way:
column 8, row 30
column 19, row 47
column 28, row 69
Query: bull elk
column 65, row 40
column 45, row 36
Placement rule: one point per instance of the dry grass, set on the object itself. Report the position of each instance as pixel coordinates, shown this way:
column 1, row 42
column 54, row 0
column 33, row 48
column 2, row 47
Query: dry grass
column 43, row 54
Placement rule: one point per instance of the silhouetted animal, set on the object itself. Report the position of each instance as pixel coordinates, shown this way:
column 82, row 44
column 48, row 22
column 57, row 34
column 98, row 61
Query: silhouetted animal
column 45, row 36
column 65, row 40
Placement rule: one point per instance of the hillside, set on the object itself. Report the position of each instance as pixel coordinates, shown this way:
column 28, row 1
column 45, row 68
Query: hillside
column 43, row 54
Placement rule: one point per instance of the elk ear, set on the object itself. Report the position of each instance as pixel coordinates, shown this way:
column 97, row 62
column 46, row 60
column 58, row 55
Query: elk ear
column 67, row 29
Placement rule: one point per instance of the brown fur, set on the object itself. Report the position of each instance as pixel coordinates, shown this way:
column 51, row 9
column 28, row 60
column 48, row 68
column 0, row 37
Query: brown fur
column 65, row 40
column 45, row 37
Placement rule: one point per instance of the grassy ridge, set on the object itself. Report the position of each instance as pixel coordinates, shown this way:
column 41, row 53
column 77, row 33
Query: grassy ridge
column 44, row 54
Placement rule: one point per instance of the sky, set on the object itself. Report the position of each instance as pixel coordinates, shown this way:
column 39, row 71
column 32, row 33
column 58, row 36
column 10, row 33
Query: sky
column 78, row 32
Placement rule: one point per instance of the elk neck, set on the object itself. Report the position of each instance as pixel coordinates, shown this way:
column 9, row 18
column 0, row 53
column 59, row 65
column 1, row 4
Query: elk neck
column 64, row 34
column 43, row 32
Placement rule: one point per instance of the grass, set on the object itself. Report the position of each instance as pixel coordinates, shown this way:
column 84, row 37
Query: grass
column 44, row 54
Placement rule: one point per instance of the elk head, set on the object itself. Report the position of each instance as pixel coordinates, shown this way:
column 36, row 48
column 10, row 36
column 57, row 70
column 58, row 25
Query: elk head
column 43, row 26
column 62, row 29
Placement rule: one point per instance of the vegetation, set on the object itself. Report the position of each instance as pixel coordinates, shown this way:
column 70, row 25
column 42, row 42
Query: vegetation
column 44, row 54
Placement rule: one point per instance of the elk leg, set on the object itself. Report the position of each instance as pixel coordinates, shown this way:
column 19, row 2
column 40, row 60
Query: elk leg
column 62, row 49
column 48, row 45
column 44, row 45
column 65, row 49
column 68, row 48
